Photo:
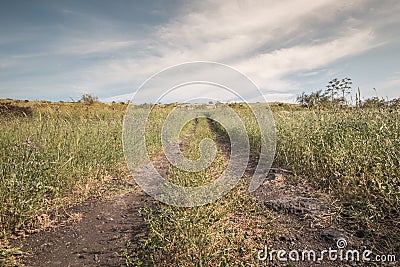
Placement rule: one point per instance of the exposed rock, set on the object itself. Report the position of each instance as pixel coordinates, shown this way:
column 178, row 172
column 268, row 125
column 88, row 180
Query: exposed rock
column 296, row 204
column 334, row 235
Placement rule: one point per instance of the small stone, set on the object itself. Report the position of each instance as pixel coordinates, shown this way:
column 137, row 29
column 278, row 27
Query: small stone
column 96, row 257
column 296, row 205
column 333, row 235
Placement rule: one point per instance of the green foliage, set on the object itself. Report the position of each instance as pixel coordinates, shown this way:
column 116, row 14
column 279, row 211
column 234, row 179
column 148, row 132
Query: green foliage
column 314, row 99
column 88, row 99
column 338, row 90
column 46, row 156
column 373, row 102
column 354, row 154
column 335, row 95
column 394, row 103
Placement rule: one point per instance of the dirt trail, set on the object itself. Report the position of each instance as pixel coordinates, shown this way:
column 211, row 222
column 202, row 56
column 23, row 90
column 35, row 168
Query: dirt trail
column 303, row 221
column 97, row 239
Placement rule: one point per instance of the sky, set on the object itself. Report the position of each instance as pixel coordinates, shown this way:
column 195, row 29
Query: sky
column 58, row 50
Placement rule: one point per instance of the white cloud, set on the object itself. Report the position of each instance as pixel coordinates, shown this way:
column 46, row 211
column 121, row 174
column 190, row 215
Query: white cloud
column 269, row 69
column 238, row 34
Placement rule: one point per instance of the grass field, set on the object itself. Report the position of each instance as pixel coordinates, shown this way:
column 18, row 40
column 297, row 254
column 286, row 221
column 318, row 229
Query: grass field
column 60, row 153
column 63, row 153
column 355, row 155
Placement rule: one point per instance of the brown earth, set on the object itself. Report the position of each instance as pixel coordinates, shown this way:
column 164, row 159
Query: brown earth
column 102, row 231
column 303, row 221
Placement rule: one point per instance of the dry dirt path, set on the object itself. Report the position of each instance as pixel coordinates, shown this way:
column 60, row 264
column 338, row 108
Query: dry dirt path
column 303, row 220
column 97, row 239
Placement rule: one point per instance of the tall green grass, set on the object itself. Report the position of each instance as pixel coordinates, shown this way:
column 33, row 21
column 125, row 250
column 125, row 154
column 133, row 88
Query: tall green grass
column 61, row 153
column 354, row 154
column 47, row 155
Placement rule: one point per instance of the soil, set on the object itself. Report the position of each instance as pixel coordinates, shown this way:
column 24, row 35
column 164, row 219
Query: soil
column 98, row 238
column 304, row 221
